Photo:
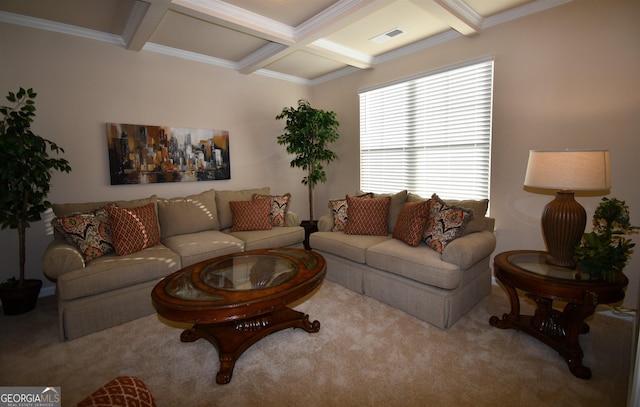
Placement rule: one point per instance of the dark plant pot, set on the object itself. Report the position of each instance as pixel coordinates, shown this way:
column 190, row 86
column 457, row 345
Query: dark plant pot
column 310, row 226
column 19, row 300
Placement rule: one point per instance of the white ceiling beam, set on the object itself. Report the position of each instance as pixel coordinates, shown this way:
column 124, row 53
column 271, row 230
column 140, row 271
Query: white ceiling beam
column 455, row 13
column 233, row 17
column 335, row 17
column 143, row 20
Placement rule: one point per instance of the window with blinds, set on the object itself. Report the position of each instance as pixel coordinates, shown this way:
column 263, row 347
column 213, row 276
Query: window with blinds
column 429, row 134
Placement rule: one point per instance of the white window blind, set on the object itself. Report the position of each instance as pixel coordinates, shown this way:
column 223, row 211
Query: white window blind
column 429, row 134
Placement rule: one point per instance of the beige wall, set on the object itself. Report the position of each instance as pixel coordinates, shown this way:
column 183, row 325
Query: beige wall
column 83, row 84
column 564, row 78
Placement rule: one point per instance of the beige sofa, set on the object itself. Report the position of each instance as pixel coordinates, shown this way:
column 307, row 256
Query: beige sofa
column 112, row 289
column 438, row 288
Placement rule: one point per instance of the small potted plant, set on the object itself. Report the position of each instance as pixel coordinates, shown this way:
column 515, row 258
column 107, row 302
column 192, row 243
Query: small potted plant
column 25, row 173
column 307, row 133
column 603, row 253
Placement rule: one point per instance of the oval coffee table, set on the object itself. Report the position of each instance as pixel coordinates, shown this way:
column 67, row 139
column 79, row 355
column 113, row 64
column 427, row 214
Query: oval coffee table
column 238, row 299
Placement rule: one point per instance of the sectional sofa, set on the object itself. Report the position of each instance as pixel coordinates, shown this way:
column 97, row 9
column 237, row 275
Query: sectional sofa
column 437, row 282
column 106, row 257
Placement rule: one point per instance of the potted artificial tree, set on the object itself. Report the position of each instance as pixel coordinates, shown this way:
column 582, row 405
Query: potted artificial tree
column 25, row 172
column 306, row 135
column 603, row 253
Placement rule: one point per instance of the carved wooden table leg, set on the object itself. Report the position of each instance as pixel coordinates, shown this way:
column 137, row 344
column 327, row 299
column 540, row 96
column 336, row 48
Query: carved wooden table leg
column 231, row 339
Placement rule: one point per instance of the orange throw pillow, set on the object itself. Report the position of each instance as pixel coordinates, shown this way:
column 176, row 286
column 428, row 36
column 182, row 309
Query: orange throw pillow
column 133, row 229
column 251, row 215
column 411, row 222
column 367, row 216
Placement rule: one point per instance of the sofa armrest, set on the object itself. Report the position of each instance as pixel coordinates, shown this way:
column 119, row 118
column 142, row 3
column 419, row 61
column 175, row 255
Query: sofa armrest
column 60, row 257
column 469, row 249
column 325, row 223
column 291, row 219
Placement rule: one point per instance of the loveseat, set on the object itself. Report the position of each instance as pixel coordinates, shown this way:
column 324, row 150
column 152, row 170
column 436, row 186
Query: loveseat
column 106, row 257
column 431, row 261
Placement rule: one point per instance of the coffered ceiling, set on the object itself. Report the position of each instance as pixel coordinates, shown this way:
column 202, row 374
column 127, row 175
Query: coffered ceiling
column 306, row 41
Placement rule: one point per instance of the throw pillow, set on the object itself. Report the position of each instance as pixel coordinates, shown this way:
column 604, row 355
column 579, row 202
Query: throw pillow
column 411, row 222
column 367, row 216
column 251, row 215
column 121, row 391
column 279, row 207
column 397, row 201
column 339, row 211
column 133, row 229
column 89, row 232
column 445, row 224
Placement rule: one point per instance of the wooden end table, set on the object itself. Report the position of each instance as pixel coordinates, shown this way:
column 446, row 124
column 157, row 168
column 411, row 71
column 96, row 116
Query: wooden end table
column 238, row 299
column 544, row 283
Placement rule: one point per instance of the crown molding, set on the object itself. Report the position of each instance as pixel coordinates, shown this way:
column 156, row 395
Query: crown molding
column 191, row 56
column 38, row 23
column 522, row 11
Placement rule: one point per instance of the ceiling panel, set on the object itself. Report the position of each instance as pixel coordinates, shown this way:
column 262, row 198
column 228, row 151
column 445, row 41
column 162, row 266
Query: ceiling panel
column 308, row 39
column 416, row 23
column 106, row 16
column 305, row 65
column 290, row 12
column 187, row 33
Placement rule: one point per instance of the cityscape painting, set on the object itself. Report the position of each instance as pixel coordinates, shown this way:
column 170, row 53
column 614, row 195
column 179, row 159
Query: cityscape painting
column 141, row 154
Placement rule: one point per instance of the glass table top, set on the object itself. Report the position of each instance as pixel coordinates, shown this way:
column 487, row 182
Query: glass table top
column 239, row 273
column 535, row 262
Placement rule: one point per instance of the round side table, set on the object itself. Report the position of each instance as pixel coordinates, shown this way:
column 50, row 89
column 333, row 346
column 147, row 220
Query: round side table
column 526, row 270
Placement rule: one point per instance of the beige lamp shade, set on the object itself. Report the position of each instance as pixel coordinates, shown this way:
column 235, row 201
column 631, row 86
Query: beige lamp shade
column 575, row 170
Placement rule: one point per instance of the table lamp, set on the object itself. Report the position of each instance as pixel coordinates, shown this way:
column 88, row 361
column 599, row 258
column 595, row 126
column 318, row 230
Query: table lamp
column 564, row 219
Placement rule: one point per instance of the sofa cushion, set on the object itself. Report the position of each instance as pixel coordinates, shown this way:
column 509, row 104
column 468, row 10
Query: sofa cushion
column 397, row 202
column 446, row 223
column 193, row 213
column 411, row 222
column 419, row 263
column 133, row 229
column 251, row 215
column 113, row 272
column 279, row 207
column 66, row 209
column 479, row 207
column 350, row 247
column 339, row 212
column 199, row 246
column 224, row 197
column 367, row 216
column 89, row 232
column 275, row 237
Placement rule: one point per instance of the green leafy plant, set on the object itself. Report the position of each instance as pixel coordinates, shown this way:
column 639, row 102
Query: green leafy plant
column 604, row 252
column 25, row 170
column 307, row 133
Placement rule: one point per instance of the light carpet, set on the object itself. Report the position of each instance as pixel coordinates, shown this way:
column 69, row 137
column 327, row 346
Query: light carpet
column 366, row 354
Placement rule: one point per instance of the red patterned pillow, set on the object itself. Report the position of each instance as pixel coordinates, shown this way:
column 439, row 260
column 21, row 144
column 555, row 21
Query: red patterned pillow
column 446, row 223
column 279, row 207
column 134, row 229
column 251, row 215
column 411, row 222
column 339, row 211
column 121, row 391
column 367, row 216
column 89, row 232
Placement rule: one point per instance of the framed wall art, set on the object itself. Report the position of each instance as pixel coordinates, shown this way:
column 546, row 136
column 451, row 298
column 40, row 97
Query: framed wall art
column 140, row 154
